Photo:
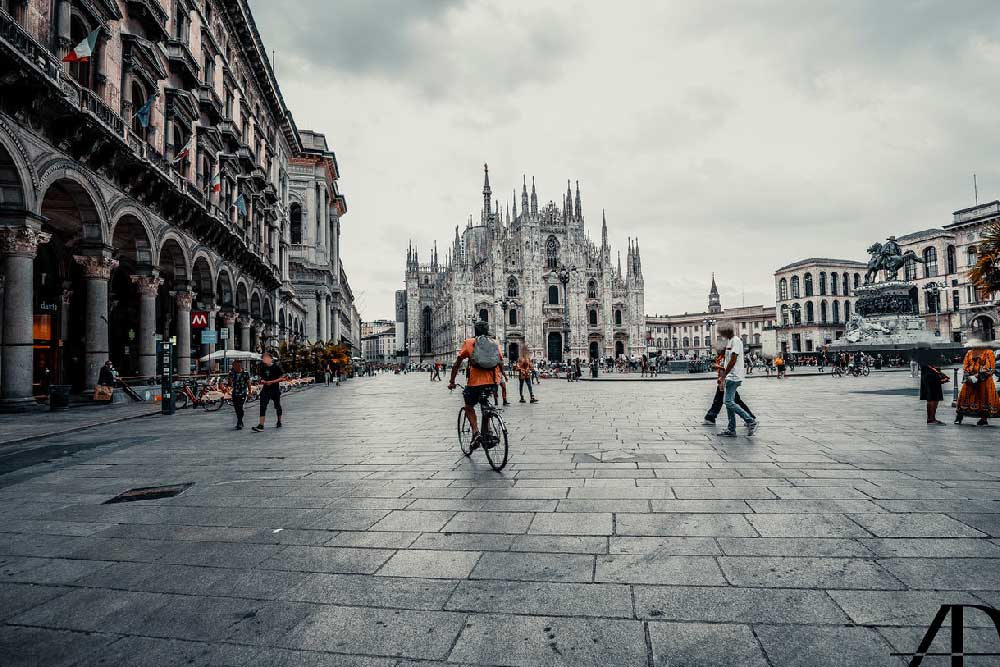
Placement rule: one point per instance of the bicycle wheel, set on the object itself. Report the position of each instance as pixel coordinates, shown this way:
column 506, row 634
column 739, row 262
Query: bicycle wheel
column 865, row 371
column 212, row 404
column 464, row 433
column 180, row 400
column 497, row 454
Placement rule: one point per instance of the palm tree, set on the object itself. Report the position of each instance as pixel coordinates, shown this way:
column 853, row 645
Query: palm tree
column 986, row 273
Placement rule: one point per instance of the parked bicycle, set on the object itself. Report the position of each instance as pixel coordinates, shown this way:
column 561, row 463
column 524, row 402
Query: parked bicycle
column 855, row 371
column 208, row 397
column 492, row 434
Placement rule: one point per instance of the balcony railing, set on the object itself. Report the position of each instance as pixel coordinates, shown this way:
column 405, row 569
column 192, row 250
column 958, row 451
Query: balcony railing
column 17, row 39
column 153, row 15
column 180, row 56
column 210, row 101
column 228, row 130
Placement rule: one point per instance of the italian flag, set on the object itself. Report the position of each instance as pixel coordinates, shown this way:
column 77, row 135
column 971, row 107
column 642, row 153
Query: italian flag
column 84, row 50
column 217, row 182
column 184, row 152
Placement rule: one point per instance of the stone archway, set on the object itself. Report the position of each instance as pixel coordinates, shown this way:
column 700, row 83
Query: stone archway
column 554, row 347
column 132, row 295
column 983, row 326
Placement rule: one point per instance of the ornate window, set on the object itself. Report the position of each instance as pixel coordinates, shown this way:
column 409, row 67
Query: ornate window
column 822, row 283
column 971, row 255
column 553, row 295
column 847, row 284
column 910, row 269
column 930, row 262
column 697, row 341
column 857, row 280
column 847, row 311
column 810, row 312
column 782, row 290
column 592, row 289
column 796, row 293
column 687, row 342
column 836, row 312
column 295, row 216
column 833, row 284
column 822, row 312
column 618, row 317
column 552, row 253
column 512, row 317
column 809, row 284
column 951, row 259
column 512, row 287
column 593, row 317
column 484, row 315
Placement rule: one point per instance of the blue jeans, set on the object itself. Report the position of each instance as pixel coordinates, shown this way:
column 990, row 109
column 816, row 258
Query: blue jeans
column 732, row 409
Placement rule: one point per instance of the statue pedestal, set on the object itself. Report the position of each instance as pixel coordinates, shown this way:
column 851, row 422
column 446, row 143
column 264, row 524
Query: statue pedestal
column 885, row 317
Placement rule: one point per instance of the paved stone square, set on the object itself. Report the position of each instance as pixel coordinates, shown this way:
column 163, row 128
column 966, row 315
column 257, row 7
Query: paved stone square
column 623, row 532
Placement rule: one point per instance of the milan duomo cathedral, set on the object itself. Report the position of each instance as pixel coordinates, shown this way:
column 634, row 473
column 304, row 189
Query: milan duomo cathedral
column 538, row 279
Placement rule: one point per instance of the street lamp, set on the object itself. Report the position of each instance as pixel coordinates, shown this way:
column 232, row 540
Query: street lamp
column 709, row 323
column 505, row 305
column 564, row 275
column 933, row 290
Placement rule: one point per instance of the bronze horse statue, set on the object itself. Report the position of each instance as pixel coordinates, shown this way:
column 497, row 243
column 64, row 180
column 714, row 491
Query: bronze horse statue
column 889, row 259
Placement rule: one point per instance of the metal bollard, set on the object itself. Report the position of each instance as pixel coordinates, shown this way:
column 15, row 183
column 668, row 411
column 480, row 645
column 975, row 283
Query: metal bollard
column 954, row 386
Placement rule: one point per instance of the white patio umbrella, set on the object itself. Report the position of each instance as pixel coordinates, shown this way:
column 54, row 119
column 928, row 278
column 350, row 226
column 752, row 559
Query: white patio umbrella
column 231, row 354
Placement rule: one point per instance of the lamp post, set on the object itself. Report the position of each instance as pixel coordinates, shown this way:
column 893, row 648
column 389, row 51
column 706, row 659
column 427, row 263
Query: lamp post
column 934, row 289
column 564, row 275
column 505, row 305
column 709, row 323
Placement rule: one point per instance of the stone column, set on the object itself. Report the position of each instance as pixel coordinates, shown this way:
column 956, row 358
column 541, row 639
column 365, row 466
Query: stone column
column 149, row 288
column 184, row 301
column 97, row 272
column 324, row 319
column 209, row 348
column 245, row 323
column 18, row 246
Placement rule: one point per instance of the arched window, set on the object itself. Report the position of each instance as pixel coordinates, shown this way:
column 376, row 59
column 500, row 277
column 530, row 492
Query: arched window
column 512, row 317
column 697, row 341
column 796, row 314
column 138, row 100
column 512, row 287
column 782, row 290
column 618, row 317
column 822, row 283
column 784, row 314
column 930, row 262
column 833, row 284
column 847, row 284
column 484, row 315
column 553, row 295
column 810, row 312
column 796, row 293
column 809, row 284
column 552, row 253
column 910, row 269
column 687, row 343
column 593, row 318
column 847, row 311
column 84, row 73
column 951, row 259
column 836, row 312
column 295, row 216
column 857, row 280
column 971, row 256
column 822, row 312
column 592, row 289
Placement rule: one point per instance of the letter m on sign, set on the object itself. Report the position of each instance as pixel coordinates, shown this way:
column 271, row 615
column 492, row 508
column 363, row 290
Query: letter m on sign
column 957, row 653
column 199, row 319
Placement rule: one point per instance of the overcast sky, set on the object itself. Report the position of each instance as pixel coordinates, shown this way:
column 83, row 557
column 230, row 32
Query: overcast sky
column 731, row 135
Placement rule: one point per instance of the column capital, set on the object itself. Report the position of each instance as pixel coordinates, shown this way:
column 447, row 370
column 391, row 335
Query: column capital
column 184, row 300
column 148, row 285
column 246, row 321
column 228, row 318
column 96, row 267
column 21, row 240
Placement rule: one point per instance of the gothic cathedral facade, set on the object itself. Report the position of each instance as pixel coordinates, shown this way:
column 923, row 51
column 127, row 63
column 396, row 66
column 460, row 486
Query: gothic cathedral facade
column 536, row 277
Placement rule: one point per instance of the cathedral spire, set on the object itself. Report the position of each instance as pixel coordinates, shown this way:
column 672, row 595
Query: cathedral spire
column 568, row 211
column 619, row 264
column 514, row 206
column 524, row 195
column 487, row 192
column 604, row 232
column 579, row 206
column 534, row 198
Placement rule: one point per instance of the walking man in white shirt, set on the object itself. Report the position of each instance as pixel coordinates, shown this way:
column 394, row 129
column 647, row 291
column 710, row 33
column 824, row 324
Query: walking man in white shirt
column 731, row 376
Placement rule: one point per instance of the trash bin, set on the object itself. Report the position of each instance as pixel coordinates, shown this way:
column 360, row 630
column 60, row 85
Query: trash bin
column 59, row 396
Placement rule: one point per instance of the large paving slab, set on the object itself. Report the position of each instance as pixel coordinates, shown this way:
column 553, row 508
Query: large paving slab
column 623, row 532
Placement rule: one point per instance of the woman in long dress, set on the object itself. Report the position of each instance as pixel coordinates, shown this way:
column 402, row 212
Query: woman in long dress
column 978, row 397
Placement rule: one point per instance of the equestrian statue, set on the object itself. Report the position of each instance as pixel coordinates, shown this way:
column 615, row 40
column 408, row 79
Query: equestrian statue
column 888, row 257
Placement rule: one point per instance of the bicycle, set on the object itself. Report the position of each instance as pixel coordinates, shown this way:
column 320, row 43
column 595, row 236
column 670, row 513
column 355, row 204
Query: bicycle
column 492, row 434
column 208, row 398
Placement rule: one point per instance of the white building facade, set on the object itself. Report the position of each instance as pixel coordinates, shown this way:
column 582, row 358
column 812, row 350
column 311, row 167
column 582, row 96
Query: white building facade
column 536, row 277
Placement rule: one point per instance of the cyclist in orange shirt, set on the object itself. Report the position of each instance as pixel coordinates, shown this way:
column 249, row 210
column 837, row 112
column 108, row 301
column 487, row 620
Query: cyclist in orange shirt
column 485, row 367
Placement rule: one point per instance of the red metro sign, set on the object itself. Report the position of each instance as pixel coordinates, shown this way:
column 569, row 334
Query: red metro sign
column 199, row 319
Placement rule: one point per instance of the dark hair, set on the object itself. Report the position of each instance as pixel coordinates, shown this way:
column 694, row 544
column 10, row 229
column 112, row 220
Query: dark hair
column 482, row 328
column 237, row 366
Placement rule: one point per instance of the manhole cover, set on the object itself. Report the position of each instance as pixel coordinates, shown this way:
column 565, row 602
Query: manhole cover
column 149, row 493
